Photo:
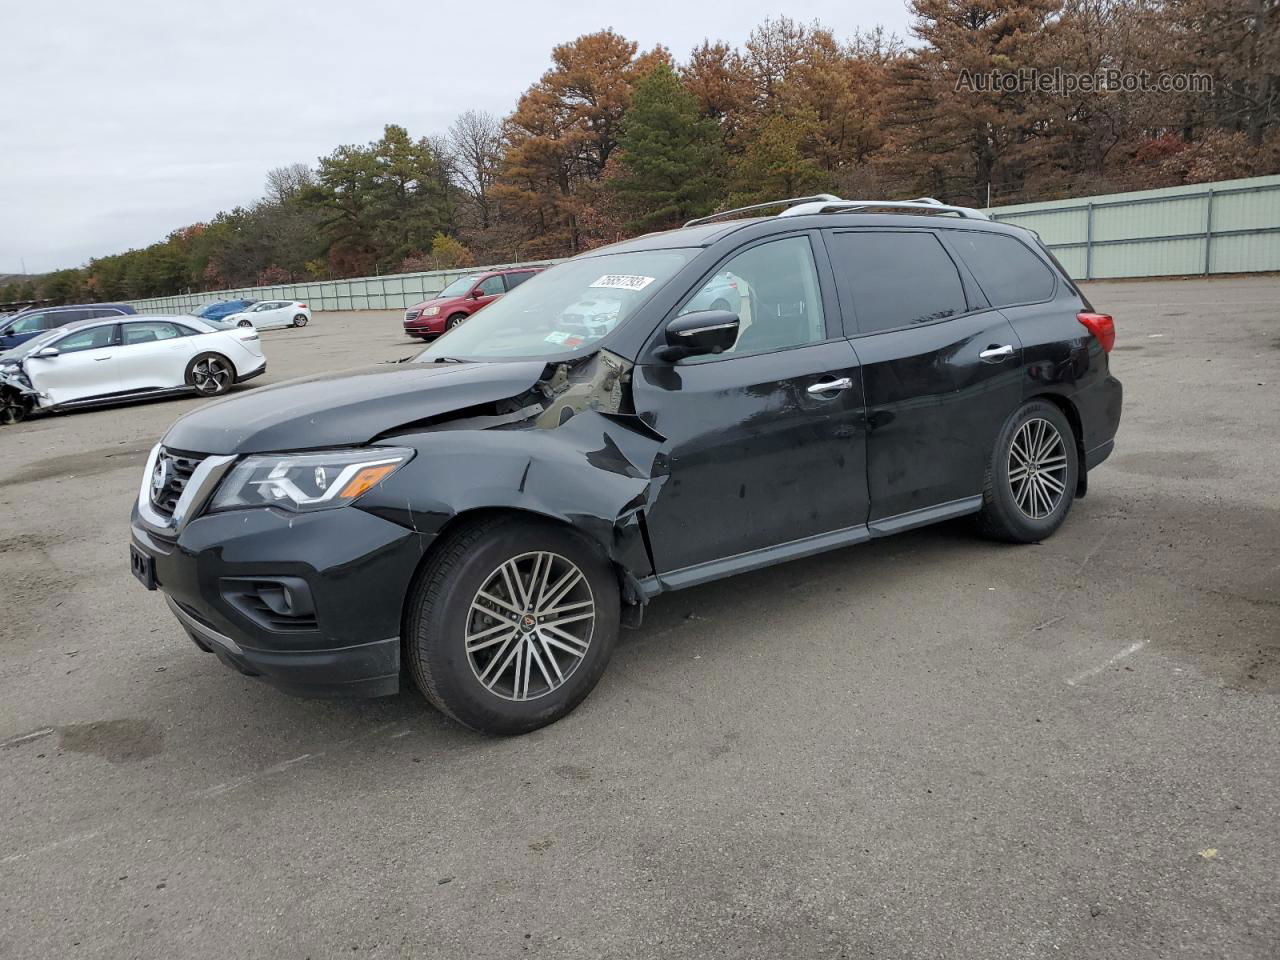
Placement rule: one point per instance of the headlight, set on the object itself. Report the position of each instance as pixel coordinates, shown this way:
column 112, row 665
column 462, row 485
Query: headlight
column 310, row 481
column 430, row 311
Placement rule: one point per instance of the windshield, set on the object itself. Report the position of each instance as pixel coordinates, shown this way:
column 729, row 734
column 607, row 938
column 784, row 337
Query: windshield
column 562, row 310
column 458, row 287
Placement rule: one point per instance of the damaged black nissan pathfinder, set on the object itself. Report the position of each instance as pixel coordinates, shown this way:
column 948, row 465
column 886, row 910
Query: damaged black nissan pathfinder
column 645, row 417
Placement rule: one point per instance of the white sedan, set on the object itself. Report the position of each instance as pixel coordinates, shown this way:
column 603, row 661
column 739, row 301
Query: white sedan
column 110, row 359
column 270, row 314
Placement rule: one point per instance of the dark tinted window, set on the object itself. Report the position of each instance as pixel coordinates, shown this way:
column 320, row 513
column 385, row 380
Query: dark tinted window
column 515, row 279
column 1005, row 269
column 102, row 312
column 63, row 317
column 896, row 279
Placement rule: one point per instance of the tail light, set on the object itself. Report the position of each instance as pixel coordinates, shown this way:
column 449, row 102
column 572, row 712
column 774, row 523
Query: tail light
column 1101, row 326
column 301, row 306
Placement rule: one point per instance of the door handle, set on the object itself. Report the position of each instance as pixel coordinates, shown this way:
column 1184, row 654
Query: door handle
column 830, row 386
column 996, row 354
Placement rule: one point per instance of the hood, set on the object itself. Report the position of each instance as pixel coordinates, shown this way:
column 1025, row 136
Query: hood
column 436, row 302
column 342, row 409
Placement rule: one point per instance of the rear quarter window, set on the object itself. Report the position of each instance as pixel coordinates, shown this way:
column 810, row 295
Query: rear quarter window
column 1008, row 272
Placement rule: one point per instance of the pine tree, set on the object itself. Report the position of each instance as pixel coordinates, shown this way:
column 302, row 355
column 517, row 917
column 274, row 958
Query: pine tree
column 670, row 154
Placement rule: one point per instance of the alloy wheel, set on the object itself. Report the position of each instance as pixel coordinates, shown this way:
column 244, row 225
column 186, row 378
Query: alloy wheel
column 529, row 626
column 211, row 375
column 1038, row 468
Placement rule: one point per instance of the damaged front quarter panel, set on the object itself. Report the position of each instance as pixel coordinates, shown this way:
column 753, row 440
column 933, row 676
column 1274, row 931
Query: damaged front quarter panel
column 569, row 448
column 17, row 395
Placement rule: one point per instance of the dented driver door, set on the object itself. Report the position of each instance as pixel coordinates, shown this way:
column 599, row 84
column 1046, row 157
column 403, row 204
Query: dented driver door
column 766, row 445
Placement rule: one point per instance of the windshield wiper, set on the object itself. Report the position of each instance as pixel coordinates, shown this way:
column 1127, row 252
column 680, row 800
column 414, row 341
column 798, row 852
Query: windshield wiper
column 446, row 360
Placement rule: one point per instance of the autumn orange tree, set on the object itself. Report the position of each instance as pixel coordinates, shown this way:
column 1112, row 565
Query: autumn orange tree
column 562, row 134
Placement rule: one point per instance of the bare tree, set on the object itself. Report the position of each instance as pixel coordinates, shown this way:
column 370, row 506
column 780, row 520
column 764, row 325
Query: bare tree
column 286, row 183
column 476, row 142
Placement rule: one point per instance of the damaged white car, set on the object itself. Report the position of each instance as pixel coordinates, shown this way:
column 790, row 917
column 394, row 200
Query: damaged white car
column 114, row 359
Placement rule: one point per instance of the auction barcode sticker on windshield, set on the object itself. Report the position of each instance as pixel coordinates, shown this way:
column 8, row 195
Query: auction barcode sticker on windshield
column 623, row 281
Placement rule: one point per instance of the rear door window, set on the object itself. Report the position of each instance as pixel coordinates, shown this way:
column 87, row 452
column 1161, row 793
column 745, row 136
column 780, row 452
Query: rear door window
column 1005, row 269
column 895, row 279
column 149, row 331
column 515, row 279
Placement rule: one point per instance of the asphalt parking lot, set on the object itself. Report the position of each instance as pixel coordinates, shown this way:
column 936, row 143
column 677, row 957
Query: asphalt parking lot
column 927, row 746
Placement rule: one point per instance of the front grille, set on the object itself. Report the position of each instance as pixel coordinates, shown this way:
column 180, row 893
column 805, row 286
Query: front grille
column 411, row 315
column 169, row 479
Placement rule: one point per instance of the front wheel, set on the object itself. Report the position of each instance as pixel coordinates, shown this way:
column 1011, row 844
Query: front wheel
column 14, row 407
column 511, row 624
column 456, row 320
column 244, row 323
column 1031, row 479
column 211, row 374
column 300, row 320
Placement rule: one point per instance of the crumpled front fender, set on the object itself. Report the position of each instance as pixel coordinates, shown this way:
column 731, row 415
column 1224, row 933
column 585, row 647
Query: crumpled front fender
column 597, row 472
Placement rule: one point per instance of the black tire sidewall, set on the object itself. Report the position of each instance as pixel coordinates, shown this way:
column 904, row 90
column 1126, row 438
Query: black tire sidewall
column 300, row 320
column 438, row 624
column 455, row 320
column 1008, row 519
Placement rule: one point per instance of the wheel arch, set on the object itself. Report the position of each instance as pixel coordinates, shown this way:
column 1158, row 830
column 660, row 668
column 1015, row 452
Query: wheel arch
column 630, row 593
column 1070, row 411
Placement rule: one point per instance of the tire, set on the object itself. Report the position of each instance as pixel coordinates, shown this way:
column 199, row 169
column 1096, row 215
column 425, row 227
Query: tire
column 300, row 320
column 244, row 323
column 1035, row 455
column 483, row 688
column 455, row 320
column 211, row 374
column 14, row 407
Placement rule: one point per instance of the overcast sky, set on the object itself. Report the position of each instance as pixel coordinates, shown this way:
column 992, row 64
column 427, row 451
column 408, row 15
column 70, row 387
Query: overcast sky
column 124, row 120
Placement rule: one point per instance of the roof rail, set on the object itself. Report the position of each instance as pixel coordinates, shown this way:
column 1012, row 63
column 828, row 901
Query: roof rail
column 819, row 198
column 922, row 204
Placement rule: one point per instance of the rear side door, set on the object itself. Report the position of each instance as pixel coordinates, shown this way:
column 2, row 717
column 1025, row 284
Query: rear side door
column 941, row 370
column 152, row 355
column 84, row 367
column 765, row 440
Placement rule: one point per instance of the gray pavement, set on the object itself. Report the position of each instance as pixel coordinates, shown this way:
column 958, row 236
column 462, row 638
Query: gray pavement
column 928, row 746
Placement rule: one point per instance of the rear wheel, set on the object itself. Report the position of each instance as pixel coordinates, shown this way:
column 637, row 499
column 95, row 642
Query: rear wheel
column 455, row 320
column 300, row 320
column 1031, row 480
column 211, row 374
column 511, row 624
column 14, row 407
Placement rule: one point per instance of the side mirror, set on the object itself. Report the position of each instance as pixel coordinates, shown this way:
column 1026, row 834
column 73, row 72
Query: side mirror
column 695, row 334
column 47, row 353
column 476, row 294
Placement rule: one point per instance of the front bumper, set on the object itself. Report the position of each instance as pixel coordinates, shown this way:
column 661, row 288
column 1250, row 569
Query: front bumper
column 354, row 567
column 424, row 326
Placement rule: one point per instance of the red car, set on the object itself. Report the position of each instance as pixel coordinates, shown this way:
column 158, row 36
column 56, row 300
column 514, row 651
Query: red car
column 460, row 299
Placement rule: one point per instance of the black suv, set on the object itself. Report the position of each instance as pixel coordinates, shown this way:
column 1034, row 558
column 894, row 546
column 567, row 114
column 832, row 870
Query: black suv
column 489, row 513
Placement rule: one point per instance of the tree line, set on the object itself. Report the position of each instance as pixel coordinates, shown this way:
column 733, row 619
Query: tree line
column 613, row 140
